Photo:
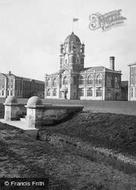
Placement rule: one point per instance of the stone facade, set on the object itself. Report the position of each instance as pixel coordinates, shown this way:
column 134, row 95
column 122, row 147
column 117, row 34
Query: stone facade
column 12, row 85
column 132, row 83
column 73, row 81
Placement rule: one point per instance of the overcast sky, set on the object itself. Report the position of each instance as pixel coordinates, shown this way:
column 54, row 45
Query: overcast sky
column 31, row 32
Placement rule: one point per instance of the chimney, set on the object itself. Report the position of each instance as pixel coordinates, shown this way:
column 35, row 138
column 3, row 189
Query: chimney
column 112, row 63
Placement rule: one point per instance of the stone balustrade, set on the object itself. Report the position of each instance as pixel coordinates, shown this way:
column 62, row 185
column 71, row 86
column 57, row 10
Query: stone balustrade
column 37, row 113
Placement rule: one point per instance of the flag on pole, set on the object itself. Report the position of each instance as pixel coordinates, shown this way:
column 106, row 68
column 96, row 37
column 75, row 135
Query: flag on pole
column 75, row 19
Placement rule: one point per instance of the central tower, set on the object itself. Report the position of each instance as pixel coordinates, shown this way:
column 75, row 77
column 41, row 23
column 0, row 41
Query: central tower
column 72, row 54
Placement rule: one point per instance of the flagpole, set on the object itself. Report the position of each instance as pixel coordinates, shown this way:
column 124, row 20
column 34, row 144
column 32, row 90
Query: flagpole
column 73, row 21
column 72, row 25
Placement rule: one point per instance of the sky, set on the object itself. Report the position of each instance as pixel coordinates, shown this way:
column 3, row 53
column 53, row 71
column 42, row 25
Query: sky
column 31, row 32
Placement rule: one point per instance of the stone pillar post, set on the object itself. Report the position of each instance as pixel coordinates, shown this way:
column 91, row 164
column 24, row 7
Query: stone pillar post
column 12, row 110
column 34, row 112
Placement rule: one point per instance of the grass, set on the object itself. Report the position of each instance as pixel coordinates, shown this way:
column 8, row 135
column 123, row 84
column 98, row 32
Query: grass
column 22, row 156
column 114, row 131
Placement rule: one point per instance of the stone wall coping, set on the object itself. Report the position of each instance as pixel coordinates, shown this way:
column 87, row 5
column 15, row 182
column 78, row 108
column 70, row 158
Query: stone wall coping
column 53, row 106
column 13, row 104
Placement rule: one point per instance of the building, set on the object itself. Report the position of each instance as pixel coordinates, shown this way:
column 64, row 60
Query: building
column 132, row 82
column 74, row 81
column 124, row 90
column 12, row 85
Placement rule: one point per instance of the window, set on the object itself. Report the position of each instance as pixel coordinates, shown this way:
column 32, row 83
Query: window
column 89, row 92
column 74, row 80
column 2, row 92
column 98, row 92
column 48, row 81
column 133, row 75
column 54, row 92
column 81, row 91
column 90, row 79
column 81, row 79
column 116, row 82
column 109, row 81
column 54, row 82
column 131, row 92
column 65, row 81
column 48, row 92
column 99, row 79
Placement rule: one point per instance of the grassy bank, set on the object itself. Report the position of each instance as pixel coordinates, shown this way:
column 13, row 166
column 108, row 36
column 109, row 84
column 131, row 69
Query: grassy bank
column 22, row 156
column 114, row 131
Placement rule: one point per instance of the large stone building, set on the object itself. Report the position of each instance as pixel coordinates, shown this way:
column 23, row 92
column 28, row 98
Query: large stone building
column 74, row 81
column 132, row 82
column 12, row 85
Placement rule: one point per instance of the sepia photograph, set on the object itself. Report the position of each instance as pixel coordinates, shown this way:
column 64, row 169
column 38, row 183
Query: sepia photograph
column 67, row 95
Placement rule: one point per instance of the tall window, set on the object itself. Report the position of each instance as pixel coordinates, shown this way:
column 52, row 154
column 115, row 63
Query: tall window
column 109, row 81
column 48, row 81
column 81, row 79
column 90, row 79
column 131, row 92
column 116, row 82
column 65, row 81
column 2, row 92
column 81, row 91
column 54, row 92
column 89, row 92
column 74, row 80
column 99, row 79
column 54, row 82
column 11, row 93
column 98, row 92
column 48, row 92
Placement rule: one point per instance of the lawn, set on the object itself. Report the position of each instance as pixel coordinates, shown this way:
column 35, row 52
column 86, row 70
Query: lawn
column 22, row 156
column 114, row 131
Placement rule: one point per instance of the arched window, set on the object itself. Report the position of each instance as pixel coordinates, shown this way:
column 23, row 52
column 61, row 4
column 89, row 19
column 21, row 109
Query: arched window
column 65, row 81
column 48, row 92
column 48, row 82
column 90, row 79
column 98, row 91
column 89, row 92
column 81, row 79
column 99, row 79
column 54, row 82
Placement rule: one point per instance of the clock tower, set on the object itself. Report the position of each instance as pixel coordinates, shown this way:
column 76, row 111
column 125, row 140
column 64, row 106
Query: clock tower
column 72, row 54
column 71, row 63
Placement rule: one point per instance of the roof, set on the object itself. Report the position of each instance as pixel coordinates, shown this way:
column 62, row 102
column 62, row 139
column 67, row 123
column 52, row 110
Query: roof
column 100, row 68
column 132, row 64
column 24, row 78
column 72, row 38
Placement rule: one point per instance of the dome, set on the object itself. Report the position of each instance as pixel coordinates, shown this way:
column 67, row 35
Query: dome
column 72, row 38
column 11, row 100
column 34, row 101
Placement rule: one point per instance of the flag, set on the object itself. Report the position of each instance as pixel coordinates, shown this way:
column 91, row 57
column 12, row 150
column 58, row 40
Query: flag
column 75, row 19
